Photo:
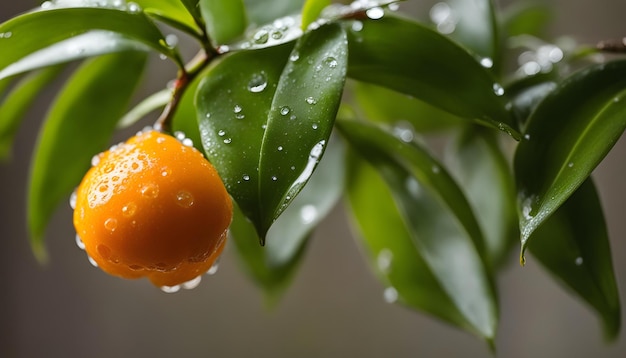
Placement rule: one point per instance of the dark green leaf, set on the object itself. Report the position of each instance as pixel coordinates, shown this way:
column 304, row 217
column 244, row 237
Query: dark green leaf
column 384, row 105
column 413, row 59
column 573, row 245
column 37, row 30
column 225, row 20
column 475, row 27
column 478, row 164
column 15, row 105
column 265, row 11
column 263, row 127
column 78, row 126
column 438, row 218
column 568, row 134
column 273, row 265
column 312, row 10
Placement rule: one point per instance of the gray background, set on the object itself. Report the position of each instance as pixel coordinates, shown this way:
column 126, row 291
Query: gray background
column 335, row 307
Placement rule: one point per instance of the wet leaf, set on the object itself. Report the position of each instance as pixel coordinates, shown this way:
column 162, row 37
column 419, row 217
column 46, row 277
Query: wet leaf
column 273, row 265
column 412, row 59
column 384, row 105
column 39, row 30
column 78, row 126
column 478, row 164
column 173, row 12
column 567, row 135
column 573, row 245
column 527, row 18
column 225, row 20
column 265, row 127
column 437, row 218
column 265, row 11
column 312, row 10
column 476, row 28
column 18, row 101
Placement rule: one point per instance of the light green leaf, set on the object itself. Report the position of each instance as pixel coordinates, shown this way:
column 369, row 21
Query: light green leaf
column 567, row 136
column 311, row 11
column 415, row 60
column 173, row 12
column 265, row 11
column 78, row 126
column 438, row 218
column 38, row 30
column 573, row 245
column 225, row 20
column 149, row 104
column 17, row 103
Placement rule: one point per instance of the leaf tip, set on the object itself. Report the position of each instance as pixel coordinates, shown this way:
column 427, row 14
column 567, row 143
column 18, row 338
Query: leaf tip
column 39, row 251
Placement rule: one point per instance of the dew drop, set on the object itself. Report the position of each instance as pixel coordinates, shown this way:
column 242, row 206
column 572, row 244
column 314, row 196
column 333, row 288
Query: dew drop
column 129, row 209
column 237, row 109
column 214, row 268
column 274, row 178
column 497, row 89
column 357, row 26
column 246, row 177
column 311, row 100
column 257, row 83
column 294, row 57
column 73, row 200
column 570, row 164
column 165, row 172
column 308, row 214
column 170, row 289
column 261, row 37
column 384, row 259
column 221, row 133
column 527, row 136
column 79, row 242
column 187, row 142
column 314, row 126
column 110, row 224
column 171, row 40
column 184, row 199
column 133, row 8
column 285, row 110
column 95, row 160
column 486, row 62
column 46, row 5
column 280, row 148
column 578, row 261
column 375, row 13
column 331, row 62
column 228, row 140
column 92, row 261
column 390, row 295
column 150, row 191
column 436, row 169
column 191, row 284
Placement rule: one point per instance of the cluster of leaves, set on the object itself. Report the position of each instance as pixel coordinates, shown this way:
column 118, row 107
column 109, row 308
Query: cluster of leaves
column 264, row 93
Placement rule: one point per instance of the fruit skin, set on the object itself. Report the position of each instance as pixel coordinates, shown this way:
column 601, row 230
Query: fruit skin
column 153, row 207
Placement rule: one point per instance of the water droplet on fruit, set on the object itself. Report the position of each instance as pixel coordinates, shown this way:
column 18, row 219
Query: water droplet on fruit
column 129, row 209
column 92, row 261
column 184, row 199
column 150, row 191
column 110, row 224
column 170, row 289
column 79, row 242
column 191, row 284
column 214, row 268
column 73, row 200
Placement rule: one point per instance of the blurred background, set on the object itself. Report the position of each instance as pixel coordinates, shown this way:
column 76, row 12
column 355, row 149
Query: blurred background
column 335, row 307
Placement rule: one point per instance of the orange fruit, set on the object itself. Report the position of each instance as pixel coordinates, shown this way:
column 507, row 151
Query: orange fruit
column 153, row 207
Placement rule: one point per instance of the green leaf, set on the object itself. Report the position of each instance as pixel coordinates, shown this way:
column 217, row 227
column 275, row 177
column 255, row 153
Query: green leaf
column 384, row 105
column 90, row 44
column 151, row 103
column 272, row 266
column 265, row 11
column 527, row 18
column 265, row 128
column 225, row 20
column 479, row 166
column 573, row 245
column 437, row 217
column 412, row 59
column 17, row 103
column 193, row 8
column 477, row 29
column 567, row 136
column 78, row 126
column 172, row 12
column 311, row 11
column 38, row 30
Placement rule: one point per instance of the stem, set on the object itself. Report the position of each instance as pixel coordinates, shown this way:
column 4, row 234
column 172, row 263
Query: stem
column 616, row 46
column 185, row 76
